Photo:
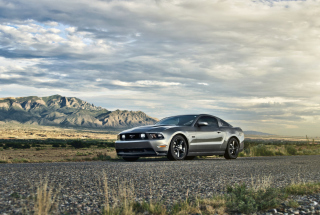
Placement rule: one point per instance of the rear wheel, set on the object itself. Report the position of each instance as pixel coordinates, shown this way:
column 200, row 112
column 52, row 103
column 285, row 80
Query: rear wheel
column 178, row 148
column 130, row 158
column 232, row 150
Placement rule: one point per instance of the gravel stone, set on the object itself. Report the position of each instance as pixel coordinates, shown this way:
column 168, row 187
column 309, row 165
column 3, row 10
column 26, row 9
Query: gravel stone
column 80, row 190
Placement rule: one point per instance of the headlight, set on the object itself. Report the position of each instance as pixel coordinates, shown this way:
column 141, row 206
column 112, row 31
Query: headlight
column 156, row 136
column 123, row 136
column 143, row 136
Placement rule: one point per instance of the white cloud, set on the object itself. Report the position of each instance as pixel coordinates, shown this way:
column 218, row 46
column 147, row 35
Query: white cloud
column 252, row 62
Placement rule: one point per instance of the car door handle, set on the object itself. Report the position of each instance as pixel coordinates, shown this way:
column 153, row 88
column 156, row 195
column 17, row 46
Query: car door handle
column 219, row 132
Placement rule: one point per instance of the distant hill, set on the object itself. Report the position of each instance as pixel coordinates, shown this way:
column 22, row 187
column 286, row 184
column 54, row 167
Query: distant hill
column 58, row 110
column 255, row 133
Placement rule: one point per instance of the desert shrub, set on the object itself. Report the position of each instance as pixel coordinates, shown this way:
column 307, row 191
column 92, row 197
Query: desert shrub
column 1, row 144
column 247, row 200
column 10, row 144
column 102, row 157
column 55, row 145
column 307, row 152
column 262, row 150
column 5, row 147
column 291, row 150
column 34, row 145
column 101, row 145
column 63, row 145
column 241, row 154
column 278, row 153
column 79, row 144
column 15, row 195
column 247, row 151
column 110, row 144
column 26, row 146
column 17, row 146
column 303, row 188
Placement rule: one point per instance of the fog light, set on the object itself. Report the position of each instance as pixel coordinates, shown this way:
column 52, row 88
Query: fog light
column 143, row 136
column 123, row 136
column 162, row 146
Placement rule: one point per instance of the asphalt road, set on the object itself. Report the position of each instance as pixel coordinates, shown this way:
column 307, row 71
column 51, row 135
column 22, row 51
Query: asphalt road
column 81, row 183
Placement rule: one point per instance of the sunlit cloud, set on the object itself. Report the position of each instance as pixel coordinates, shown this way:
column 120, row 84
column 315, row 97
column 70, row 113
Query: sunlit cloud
column 253, row 63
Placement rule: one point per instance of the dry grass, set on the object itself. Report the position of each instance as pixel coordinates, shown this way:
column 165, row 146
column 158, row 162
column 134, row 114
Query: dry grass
column 303, row 188
column 18, row 131
column 283, row 138
column 45, row 199
column 261, row 182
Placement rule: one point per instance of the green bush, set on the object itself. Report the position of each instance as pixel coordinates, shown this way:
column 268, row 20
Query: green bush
column 26, row 146
column 241, row 154
column 63, row 145
column 56, row 145
column 278, row 153
column 102, row 157
column 262, row 150
column 34, row 145
column 1, row 144
column 291, row 150
column 246, row 200
column 79, row 144
column 17, row 146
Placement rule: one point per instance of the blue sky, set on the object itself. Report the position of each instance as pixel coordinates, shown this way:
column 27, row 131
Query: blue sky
column 252, row 63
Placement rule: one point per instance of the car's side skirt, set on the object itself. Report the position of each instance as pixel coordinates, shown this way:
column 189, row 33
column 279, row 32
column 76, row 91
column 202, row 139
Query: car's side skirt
column 206, row 153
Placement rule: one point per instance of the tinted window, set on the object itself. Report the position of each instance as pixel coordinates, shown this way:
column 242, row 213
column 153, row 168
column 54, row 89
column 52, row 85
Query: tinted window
column 223, row 123
column 185, row 120
column 212, row 122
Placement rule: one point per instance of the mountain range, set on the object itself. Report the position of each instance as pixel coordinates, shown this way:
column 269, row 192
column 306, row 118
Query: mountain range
column 59, row 110
column 255, row 133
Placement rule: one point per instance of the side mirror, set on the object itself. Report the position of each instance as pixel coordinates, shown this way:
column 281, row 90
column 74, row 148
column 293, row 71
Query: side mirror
column 203, row 124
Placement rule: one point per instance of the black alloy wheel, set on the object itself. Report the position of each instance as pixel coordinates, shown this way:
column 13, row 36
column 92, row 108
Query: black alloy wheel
column 232, row 150
column 178, row 148
column 130, row 158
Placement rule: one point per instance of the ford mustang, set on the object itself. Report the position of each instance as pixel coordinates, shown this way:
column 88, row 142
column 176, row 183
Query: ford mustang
column 181, row 138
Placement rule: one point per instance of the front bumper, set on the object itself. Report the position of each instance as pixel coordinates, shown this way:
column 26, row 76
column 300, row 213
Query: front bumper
column 241, row 146
column 141, row 148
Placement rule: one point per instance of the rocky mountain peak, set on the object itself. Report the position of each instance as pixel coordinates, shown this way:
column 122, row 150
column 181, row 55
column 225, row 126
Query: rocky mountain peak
column 67, row 111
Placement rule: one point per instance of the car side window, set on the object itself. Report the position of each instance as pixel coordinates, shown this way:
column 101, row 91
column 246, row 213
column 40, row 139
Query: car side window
column 212, row 122
column 225, row 124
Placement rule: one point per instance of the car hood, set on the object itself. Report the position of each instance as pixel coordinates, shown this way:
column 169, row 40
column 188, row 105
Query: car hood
column 149, row 128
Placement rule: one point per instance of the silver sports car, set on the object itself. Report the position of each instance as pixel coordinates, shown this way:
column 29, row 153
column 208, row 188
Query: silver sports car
column 181, row 138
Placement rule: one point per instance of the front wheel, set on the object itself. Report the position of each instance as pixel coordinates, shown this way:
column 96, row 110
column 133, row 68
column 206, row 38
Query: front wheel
column 232, row 150
column 178, row 148
column 130, row 158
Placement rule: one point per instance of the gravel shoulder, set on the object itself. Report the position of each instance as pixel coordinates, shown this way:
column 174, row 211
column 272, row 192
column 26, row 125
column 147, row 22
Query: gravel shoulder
column 81, row 191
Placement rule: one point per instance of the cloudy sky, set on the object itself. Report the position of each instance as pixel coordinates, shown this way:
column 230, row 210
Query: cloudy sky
column 255, row 64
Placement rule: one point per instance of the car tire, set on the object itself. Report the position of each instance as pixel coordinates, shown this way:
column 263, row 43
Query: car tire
column 190, row 157
column 232, row 149
column 130, row 158
column 178, row 149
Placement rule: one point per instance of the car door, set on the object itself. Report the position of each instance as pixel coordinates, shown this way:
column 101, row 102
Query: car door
column 207, row 138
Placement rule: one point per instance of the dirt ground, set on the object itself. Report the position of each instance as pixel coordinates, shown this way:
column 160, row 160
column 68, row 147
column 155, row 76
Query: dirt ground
column 18, row 131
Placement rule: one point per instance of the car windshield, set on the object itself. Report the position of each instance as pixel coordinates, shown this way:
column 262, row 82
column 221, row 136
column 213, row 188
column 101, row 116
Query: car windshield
column 185, row 120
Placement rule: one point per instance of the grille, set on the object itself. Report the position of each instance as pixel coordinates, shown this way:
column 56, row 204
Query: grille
column 132, row 136
column 141, row 152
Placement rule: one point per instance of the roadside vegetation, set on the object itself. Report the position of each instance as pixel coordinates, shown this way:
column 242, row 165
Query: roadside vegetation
column 253, row 148
column 259, row 195
column 62, row 150
column 55, row 150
